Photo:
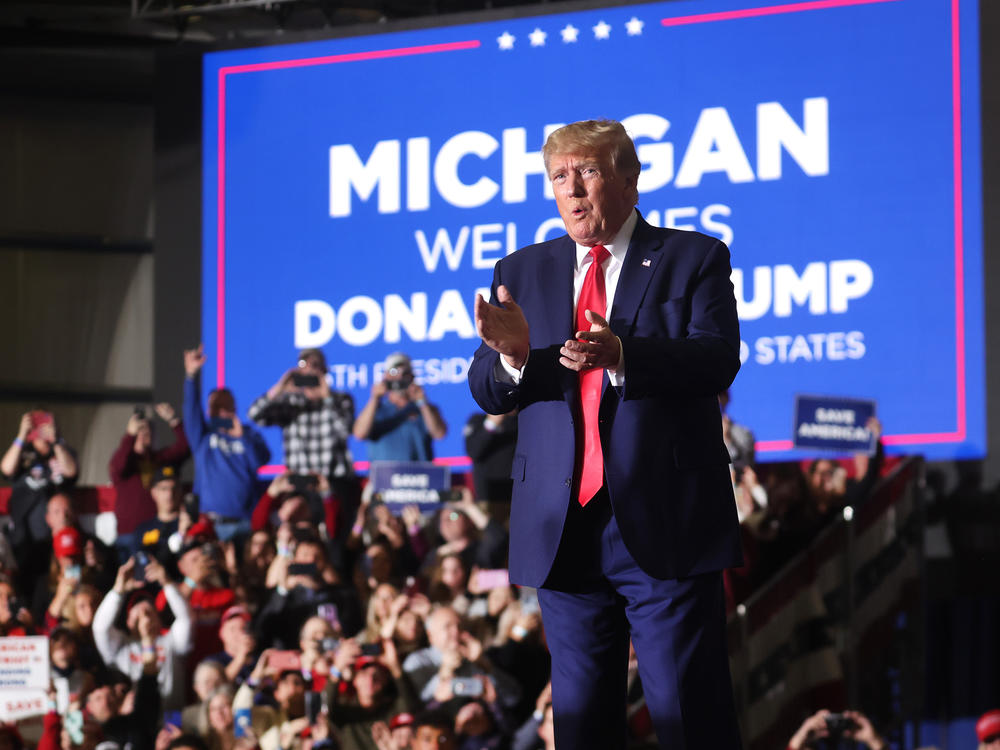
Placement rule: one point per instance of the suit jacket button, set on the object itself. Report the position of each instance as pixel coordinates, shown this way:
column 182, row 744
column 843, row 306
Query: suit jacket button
column 569, row 482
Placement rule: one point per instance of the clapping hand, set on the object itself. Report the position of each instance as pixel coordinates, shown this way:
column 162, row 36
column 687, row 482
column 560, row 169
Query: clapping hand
column 596, row 348
column 504, row 329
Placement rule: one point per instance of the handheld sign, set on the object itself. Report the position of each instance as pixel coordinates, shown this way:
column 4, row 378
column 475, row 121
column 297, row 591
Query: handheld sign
column 833, row 424
column 24, row 676
column 400, row 483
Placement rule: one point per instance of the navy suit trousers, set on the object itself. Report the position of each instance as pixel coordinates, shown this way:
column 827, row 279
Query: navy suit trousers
column 595, row 599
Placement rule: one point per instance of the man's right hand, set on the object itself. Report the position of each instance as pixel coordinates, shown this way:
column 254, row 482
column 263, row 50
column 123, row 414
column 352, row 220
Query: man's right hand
column 504, row 329
column 194, row 359
column 379, row 390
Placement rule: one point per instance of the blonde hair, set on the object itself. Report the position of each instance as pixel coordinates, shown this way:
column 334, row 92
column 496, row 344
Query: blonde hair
column 594, row 135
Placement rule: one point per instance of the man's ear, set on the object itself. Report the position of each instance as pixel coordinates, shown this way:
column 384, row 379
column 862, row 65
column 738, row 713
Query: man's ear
column 633, row 188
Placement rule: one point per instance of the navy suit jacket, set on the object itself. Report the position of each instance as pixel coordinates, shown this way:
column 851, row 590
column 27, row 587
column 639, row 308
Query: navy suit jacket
column 666, row 466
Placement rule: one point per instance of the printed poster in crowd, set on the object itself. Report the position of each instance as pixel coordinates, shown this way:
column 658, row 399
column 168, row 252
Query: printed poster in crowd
column 838, row 425
column 24, row 676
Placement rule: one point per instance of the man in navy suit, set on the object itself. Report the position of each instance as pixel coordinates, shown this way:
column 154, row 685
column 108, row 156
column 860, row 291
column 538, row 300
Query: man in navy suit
column 639, row 553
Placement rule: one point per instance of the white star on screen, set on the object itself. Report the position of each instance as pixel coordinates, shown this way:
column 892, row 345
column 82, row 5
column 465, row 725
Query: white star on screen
column 634, row 26
column 569, row 33
column 537, row 38
column 506, row 40
column 602, row 31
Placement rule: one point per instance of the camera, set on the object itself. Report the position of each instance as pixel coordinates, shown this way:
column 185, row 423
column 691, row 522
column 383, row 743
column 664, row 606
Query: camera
column 404, row 381
column 838, row 725
column 329, row 644
column 305, row 380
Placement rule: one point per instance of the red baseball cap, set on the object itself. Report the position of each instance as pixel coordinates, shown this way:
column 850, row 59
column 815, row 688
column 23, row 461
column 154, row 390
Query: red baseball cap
column 236, row 610
column 67, row 542
column 401, row 720
column 367, row 661
column 988, row 725
column 203, row 527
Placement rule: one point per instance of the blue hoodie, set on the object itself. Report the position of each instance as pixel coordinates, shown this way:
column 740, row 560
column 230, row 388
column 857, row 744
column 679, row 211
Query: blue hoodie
column 225, row 476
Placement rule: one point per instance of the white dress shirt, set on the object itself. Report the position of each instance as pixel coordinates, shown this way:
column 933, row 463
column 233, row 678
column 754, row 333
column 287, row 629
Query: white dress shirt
column 612, row 268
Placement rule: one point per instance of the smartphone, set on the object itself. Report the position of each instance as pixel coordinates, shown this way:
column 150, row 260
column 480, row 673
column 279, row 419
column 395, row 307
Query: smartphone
column 329, row 613
column 466, row 686
column 72, row 572
column 192, row 506
column 173, row 718
column 141, row 561
column 303, row 569
column 305, row 380
column 450, row 496
column 372, row 649
column 140, row 411
column 281, row 661
column 220, row 423
column 302, row 482
column 314, row 704
column 487, row 580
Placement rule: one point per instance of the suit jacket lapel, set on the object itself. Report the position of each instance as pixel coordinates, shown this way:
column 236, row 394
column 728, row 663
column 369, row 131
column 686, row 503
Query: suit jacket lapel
column 558, row 291
column 638, row 270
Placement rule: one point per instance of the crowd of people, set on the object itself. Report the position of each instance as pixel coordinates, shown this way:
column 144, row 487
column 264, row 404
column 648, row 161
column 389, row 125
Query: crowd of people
column 305, row 613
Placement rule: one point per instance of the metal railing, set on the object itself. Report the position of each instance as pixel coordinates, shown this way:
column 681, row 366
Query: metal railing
column 840, row 625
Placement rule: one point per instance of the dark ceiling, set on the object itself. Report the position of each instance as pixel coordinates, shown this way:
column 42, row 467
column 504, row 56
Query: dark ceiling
column 104, row 49
column 209, row 22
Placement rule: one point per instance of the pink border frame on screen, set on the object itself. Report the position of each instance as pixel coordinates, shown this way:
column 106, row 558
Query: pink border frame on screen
column 763, row 446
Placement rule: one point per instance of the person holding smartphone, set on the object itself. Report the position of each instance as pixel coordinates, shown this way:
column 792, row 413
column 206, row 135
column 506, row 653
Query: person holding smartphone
column 227, row 453
column 39, row 463
column 134, row 466
column 315, row 420
column 378, row 692
column 835, row 731
column 398, row 421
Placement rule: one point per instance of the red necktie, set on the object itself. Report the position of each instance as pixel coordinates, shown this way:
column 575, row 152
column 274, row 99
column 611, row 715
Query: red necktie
column 589, row 456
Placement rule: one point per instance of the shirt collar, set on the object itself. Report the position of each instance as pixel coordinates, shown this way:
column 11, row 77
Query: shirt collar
column 617, row 247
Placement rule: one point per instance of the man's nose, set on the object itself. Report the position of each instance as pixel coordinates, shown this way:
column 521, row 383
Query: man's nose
column 575, row 186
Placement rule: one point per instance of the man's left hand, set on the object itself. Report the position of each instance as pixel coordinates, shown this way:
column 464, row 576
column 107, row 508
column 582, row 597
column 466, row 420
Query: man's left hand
column 598, row 347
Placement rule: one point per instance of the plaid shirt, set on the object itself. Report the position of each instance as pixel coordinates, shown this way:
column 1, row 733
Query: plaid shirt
column 314, row 432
